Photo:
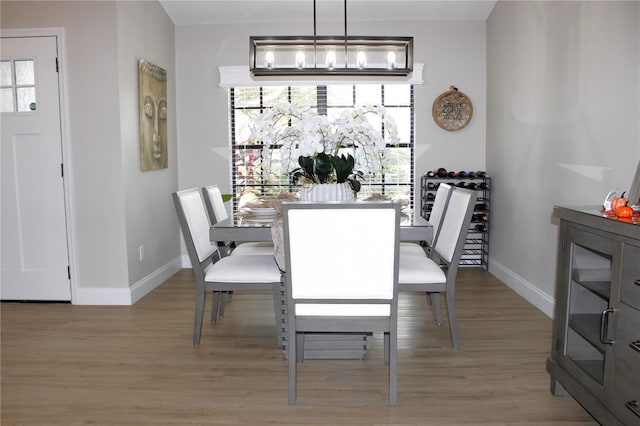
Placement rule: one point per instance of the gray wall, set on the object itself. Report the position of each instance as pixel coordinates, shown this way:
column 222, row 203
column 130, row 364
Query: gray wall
column 563, row 124
column 453, row 54
column 115, row 206
column 146, row 32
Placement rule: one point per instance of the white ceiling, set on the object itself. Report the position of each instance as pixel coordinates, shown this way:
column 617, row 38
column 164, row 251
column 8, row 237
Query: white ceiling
column 199, row 12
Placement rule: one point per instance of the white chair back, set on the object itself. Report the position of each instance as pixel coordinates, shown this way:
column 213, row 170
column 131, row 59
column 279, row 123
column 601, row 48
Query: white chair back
column 342, row 253
column 191, row 209
column 439, row 208
column 215, row 204
column 456, row 218
column 342, row 275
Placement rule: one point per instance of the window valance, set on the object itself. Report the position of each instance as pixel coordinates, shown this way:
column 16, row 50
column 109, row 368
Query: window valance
column 239, row 76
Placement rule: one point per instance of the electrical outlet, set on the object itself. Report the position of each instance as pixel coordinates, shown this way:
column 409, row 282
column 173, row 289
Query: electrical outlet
column 141, row 250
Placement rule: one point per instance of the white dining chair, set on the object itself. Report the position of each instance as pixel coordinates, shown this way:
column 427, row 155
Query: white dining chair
column 217, row 213
column 435, row 276
column 425, row 248
column 213, row 272
column 342, row 272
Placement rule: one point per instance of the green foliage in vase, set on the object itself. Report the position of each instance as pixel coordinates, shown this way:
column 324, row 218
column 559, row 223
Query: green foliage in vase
column 324, row 168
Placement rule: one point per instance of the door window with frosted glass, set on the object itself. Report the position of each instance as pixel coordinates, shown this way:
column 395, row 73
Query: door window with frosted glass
column 17, row 86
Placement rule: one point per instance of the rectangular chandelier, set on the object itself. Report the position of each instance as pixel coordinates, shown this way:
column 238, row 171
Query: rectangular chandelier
column 330, row 55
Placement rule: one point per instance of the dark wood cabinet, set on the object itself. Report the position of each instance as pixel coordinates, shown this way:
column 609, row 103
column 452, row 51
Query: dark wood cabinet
column 595, row 354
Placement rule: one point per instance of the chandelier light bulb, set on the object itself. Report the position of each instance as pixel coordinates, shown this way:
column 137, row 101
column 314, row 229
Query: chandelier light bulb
column 361, row 59
column 331, row 59
column 300, row 60
column 269, row 59
column 391, row 60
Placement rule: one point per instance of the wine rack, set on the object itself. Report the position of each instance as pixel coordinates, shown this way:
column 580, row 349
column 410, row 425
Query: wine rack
column 476, row 248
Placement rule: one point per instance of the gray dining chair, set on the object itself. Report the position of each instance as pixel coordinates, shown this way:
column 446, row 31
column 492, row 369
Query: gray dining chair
column 213, row 272
column 438, row 275
column 341, row 275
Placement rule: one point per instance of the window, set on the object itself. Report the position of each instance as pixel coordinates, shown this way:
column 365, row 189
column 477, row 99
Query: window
column 17, row 86
column 246, row 103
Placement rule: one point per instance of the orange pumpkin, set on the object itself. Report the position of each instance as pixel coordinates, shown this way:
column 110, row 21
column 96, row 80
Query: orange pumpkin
column 618, row 202
column 624, row 211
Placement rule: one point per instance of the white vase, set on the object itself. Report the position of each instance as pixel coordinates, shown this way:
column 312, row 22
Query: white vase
column 327, row 192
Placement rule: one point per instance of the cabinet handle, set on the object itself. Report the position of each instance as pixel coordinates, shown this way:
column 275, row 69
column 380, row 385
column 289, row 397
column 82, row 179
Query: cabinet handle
column 635, row 345
column 637, row 282
column 633, row 406
column 604, row 326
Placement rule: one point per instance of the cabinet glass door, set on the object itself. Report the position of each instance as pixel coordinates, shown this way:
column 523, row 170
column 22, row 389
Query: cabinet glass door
column 589, row 313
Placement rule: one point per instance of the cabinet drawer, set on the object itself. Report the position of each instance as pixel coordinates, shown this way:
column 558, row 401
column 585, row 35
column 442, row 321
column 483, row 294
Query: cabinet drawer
column 630, row 288
column 626, row 386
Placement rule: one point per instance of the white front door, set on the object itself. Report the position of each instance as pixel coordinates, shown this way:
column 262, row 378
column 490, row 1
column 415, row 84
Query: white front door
column 34, row 254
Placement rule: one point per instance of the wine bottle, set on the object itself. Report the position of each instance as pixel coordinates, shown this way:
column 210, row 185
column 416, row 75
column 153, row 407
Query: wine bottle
column 479, row 218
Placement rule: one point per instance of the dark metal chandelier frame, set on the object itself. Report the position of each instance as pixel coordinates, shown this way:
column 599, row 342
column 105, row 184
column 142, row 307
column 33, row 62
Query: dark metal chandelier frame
column 287, row 55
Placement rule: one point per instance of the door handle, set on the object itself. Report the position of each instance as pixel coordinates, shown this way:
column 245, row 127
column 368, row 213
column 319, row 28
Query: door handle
column 633, row 406
column 604, row 326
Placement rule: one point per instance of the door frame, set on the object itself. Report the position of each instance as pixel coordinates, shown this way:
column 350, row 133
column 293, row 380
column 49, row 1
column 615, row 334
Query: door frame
column 67, row 181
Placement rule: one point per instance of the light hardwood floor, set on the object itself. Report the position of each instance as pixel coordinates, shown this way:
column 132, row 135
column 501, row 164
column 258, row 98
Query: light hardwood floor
column 64, row 364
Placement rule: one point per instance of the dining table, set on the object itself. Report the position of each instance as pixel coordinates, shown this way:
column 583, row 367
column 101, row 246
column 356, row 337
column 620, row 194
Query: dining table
column 247, row 227
column 255, row 226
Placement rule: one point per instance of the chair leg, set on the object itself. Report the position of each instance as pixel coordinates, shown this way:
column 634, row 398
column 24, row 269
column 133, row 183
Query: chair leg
column 300, row 347
column 393, row 367
column 223, row 302
column 215, row 302
column 386, row 348
column 292, row 364
column 451, row 313
column 199, row 316
column 437, row 309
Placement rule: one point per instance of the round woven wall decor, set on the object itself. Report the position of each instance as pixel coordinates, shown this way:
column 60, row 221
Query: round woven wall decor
column 452, row 110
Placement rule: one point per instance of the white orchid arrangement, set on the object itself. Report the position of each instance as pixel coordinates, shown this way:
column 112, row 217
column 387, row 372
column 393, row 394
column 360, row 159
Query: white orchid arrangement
column 310, row 144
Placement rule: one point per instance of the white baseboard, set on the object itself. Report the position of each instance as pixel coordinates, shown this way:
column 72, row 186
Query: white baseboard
column 154, row 279
column 130, row 295
column 102, row 296
column 528, row 291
